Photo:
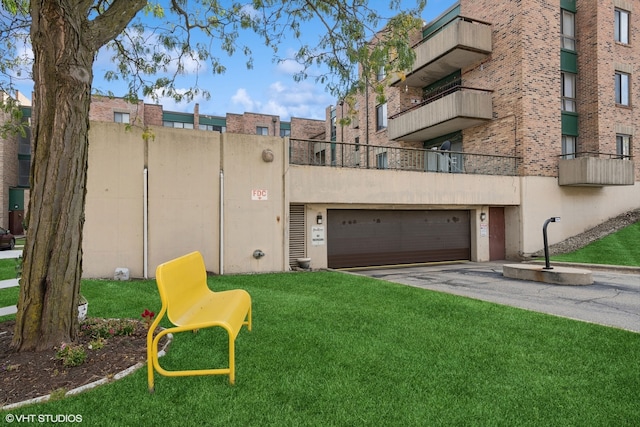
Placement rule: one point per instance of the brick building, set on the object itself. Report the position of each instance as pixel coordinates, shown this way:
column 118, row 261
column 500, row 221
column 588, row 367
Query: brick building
column 528, row 79
column 541, row 90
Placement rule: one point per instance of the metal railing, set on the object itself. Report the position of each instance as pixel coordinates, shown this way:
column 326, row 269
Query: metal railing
column 438, row 93
column 595, row 154
column 362, row 156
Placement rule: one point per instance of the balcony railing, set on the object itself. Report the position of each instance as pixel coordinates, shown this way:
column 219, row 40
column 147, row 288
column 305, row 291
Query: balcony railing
column 362, row 156
column 595, row 169
column 445, row 110
column 457, row 44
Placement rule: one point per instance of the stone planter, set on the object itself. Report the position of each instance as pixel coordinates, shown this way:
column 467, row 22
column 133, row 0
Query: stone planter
column 304, row 263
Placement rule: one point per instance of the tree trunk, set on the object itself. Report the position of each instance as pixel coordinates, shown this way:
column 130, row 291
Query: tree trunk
column 64, row 45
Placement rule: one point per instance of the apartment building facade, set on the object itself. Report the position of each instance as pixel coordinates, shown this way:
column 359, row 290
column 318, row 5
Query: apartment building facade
column 542, row 91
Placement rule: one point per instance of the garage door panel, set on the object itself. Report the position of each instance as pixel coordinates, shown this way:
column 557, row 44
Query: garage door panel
column 358, row 238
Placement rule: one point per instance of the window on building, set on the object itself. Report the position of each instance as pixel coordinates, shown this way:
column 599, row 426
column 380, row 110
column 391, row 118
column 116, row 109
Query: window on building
column 334, row 131
column 262, row 130
column 381, row 116
column 623, row 146
column 568, row 92
column 621, row 26
column 285, row 132
column 568, row 147
column 24, row 168
column 568, row 30
column 178, row 125
column 623, row 89
column 382, row 161
column 381, row 74
column 121, row 117
column 24, row 142
column 213, row 128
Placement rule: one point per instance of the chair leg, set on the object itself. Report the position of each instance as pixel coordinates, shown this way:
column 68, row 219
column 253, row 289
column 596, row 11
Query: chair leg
column 232, row 362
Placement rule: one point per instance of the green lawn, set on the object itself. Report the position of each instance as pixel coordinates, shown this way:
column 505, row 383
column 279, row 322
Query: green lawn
column 8, row 268
column 621, row 248
column 337, row 349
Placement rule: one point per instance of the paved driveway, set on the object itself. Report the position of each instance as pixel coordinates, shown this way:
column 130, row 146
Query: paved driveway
column 613, row 299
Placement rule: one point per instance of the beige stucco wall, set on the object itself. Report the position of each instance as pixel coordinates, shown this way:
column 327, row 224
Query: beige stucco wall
column 184, row 176
column 184, row 201
column 580, row 208
column 253, row 222
column 113, row 213
column 183, row 195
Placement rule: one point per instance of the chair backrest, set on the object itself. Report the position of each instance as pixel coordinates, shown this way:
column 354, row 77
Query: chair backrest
column 181, row 282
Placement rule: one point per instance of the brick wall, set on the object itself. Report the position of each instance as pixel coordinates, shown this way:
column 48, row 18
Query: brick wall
column 248, row 123
column 307, row 128
column 103, row 109
column 153, row 115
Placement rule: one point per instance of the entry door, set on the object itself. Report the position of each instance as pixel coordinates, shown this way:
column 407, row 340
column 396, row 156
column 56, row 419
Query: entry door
column 496, row 234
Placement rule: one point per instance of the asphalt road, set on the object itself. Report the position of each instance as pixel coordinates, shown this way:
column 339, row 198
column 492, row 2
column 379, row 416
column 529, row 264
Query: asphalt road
column 613, row 299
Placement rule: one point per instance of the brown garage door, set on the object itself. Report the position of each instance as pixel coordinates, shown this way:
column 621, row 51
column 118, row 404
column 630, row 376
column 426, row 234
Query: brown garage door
column 360, row 238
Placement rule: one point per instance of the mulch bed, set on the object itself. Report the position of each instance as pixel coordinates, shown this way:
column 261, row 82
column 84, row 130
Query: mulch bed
column 27, row 375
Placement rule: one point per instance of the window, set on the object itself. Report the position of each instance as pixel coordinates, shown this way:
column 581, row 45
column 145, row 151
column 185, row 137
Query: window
column 213, row 128
column 568, row 92
column 568, row 147
column 382, row 161
column 381, row 116
column 178, row 125
column 621, row 26
column 285, row 132
column 381, row 74
column 262, row 130
column 24, row 168
column 334, row 128
column 121, row 117
column 568, row 30
column 622, row 88
column 623, row 146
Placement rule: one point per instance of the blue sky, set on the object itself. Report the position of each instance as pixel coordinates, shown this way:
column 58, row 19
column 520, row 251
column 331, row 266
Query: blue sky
column 268, row 88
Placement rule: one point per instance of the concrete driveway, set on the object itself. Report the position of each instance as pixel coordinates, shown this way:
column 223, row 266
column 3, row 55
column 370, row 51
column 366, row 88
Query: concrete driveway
column 613, row 299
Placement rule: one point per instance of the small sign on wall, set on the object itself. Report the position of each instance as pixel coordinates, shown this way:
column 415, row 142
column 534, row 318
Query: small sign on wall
column 259, row 195
column 484, row 230
column 317, row 235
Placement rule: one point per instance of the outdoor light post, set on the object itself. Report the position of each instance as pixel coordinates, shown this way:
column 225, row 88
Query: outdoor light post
column 546, row 243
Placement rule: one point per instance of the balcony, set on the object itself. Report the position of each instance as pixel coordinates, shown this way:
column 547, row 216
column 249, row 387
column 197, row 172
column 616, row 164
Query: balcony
column 596, row 170
column 363, row 156
column 459, row 43
column 455, row 109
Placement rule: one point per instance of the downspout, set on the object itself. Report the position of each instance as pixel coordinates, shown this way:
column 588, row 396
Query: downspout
column 145, row 223
column 221, row 231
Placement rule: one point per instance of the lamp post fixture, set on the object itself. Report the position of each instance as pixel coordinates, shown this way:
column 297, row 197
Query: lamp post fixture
column 547, row 266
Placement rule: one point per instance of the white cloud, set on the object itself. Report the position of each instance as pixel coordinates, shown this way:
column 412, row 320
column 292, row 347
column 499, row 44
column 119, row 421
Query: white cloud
column 289, row 66
column 243, row 99
column 302, row 100
column 297, row 100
